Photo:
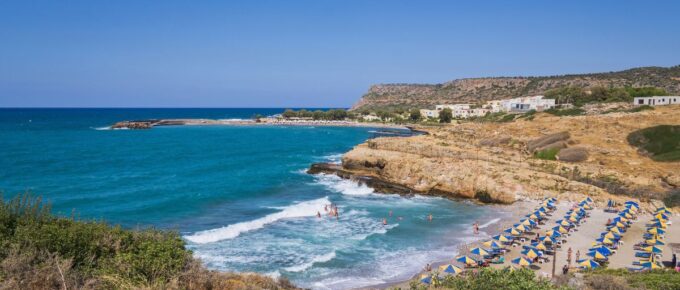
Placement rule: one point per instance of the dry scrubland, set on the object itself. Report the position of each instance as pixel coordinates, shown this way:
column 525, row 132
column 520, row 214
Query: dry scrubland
column 499, row 162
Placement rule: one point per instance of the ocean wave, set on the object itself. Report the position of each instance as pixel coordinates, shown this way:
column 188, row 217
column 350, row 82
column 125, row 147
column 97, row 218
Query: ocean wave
column 316, row 259
column 344, row 186
column 493, row 221
column 302, row 209
column 102, row 128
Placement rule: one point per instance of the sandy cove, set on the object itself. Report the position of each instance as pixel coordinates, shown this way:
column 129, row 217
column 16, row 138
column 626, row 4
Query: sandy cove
column 579, row 240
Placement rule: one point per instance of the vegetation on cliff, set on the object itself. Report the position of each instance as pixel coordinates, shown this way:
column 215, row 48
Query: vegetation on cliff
column 662, row 142
column 41, row 251
column 335, row 114
column 578, row 89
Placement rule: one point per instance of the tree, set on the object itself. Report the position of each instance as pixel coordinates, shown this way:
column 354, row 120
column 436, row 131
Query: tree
column 288, row 113
column 415, row 115
column 445, row 115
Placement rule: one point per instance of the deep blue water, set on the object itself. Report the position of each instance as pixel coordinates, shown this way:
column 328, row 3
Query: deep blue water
column 238, row 194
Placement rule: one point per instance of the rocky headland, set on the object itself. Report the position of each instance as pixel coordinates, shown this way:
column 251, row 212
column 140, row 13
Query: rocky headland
column 499, row 163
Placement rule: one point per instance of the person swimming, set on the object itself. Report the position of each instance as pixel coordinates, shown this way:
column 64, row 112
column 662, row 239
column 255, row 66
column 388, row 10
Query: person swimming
column 429, row 217
column 390, row 213
column 384, row 221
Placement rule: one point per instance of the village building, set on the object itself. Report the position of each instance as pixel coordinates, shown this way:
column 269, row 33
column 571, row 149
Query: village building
column 429, row 113
column 522, row 104
column 656, row 100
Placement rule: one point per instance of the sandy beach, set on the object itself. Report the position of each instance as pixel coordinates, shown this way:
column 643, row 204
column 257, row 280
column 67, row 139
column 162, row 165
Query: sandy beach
column 579, row 240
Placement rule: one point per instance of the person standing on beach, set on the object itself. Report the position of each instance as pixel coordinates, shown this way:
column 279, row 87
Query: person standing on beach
column 475, row 227
column 569, row 257
column 578, row 255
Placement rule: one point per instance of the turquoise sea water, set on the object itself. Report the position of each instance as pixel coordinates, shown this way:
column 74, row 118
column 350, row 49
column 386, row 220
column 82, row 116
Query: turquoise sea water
column 238, row 194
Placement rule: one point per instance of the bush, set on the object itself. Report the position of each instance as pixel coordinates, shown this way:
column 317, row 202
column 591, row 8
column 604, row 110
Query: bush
column 487, row 278
column 445, row 115
column 662, row 142
column 39, row 250
column 547, row 154
column 566, row 112
column 656, row 279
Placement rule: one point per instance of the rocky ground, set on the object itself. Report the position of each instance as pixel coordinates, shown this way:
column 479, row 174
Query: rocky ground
column 495, row 162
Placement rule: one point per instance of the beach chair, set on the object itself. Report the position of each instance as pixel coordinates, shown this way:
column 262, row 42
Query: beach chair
column 498, row 260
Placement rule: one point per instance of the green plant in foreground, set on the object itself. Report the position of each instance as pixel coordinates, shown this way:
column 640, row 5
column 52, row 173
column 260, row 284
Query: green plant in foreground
column 547, row 154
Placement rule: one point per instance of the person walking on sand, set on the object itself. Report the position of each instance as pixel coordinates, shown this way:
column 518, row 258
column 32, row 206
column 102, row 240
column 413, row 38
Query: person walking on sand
column 475, row 227
column 569, row 257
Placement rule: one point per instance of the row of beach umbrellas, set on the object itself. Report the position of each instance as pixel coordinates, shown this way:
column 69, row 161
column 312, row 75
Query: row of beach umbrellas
column 653, row 238
column 602, row 247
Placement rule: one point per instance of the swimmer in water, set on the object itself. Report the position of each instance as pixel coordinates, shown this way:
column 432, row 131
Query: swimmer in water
column 390, row 213
column 384, row 221
column 429, row 217
column 318, row 214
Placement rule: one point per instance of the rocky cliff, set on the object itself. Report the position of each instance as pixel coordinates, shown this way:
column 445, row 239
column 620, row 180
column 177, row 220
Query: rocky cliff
column 387, row 96
column 495, row 162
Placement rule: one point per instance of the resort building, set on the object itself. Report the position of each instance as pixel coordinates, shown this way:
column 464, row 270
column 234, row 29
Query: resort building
column 521, row 104
column 370, row 118
column 656, row 100
column 429, row 113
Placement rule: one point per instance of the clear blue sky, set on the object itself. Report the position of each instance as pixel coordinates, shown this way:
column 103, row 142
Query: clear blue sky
column 307, row 53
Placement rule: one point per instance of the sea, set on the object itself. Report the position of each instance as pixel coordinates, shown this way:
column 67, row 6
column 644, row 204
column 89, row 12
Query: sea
column 238, row 195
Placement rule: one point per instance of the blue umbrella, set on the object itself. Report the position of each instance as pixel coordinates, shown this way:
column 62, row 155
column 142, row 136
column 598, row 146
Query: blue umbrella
column 602, row 249
column 425, row 278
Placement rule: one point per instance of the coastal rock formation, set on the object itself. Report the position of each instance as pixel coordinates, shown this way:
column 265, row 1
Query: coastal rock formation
column 492, row 162
column 387, row 96
column 134, row 125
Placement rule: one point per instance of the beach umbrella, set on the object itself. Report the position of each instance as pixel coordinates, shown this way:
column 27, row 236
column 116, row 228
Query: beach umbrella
column 479, row 251
column 553, row 233
column 663, row 211
column 661, row 216
column 658, row 225
column 604, row 250
column 540, row 246
column 588, row 199
column 605, row 241
column 426, row 278
column 492, row 244
column 531, row 253
column 655, row 242
column 597, row 255
column 610, row 235
column 653, row 249
column 547, row 239
column 573, row 219
column 614, row 230
column 502, row 238
column 451, row 269
column 619, row 225
column 650, row 265
column 522, row 261
column 627, row 215
column 561, row 229
column 542, row 209
column 466, row 260
column 589, row 264
column 528, row 222
column 565, row 223
column 656, row 231
column 513, row 231
column 533, row 216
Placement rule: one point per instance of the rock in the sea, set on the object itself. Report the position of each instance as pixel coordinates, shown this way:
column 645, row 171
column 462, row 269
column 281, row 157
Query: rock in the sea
column 134, row 125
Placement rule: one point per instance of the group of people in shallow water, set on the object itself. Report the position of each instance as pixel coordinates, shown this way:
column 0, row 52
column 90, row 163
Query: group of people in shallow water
column 331, row 210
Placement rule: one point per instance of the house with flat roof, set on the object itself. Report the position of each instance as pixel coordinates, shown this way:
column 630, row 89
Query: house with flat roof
column 656, row 100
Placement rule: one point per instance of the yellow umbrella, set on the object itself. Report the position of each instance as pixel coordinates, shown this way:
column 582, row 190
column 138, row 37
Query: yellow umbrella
column 565, row 223
column 653, row 231
column 502, row 238
column 599, row 256
column 514, row 232
column 627, row 215
column 532, row 254
column 573, row 219
column 620, row 225
column 522, row 261
column 585, row 206
column 607, row 241
column 526, row 223
column 615, row 230
column 541, row 246
column 450, row 269
column 562, row 230
column 609, row 235
column 521, row 228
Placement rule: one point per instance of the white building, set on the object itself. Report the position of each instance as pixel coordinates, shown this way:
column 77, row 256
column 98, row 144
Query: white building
column 521, row 104
column 656, row 100
column 429, row 113
column 370, row 118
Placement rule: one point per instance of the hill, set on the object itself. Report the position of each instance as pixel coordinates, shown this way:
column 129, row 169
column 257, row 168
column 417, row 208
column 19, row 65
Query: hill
column 400, row 96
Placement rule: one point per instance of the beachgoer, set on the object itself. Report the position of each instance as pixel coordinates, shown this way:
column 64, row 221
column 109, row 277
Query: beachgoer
column 674, row 261
column 429, row 217
column 318, row 214
column 578, row 255
column 476, row 227
column 325, row 207
column 565, row 270
column 384, row 221
column 390, row 213
column 609, row 222
column 569, row 257
column 428, row 267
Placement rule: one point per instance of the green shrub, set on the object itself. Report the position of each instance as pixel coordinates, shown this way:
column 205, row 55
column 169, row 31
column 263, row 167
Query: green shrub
column 662, row 142
column 565, row 112
column 547, row 154
column 656, row 279
column 487, row 278
column 640, row 109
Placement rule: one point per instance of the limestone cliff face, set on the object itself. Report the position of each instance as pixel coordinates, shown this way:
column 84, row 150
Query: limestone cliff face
column 493, row 162
column 387, row 96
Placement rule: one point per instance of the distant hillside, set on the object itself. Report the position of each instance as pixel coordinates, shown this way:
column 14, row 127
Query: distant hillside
column 391, row 96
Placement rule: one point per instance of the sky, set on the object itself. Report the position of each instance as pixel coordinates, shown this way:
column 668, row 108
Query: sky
column 307, row 53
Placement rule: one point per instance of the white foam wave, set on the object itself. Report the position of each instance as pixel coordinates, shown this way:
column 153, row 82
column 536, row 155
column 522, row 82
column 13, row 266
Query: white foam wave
column 334, row 158
column 103, row 128
column 317, row 259
column 302, row 209
column 491, row 222
column 344, row 186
